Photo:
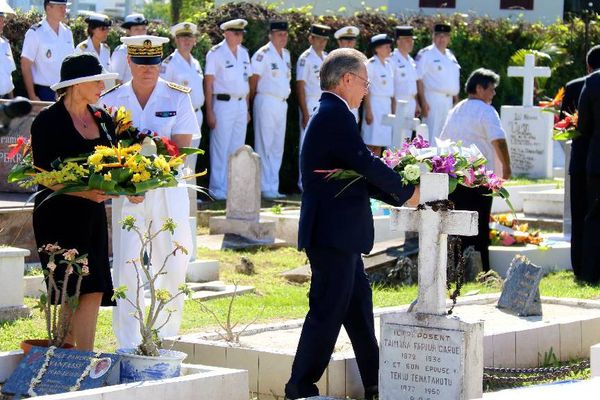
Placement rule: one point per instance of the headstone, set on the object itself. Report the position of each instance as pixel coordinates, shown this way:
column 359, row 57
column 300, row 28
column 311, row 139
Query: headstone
column 473, row 263
column 18, row 127
column 424, row 353
column 66, row 370
column 528, row 128
column 12, row 270
column 521, row 292
column 402, row 124
column 242, row 216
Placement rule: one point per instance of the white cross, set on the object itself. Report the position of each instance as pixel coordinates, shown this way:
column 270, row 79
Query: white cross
column 434, row 228
column 401, row 123
column 529, row 72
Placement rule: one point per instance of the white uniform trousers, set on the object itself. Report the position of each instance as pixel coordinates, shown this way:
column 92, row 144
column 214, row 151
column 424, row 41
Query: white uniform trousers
column 412, row 107
column 269, row 136
column 439, row 106
column 312, row 104
column 228, row 136
column 377, row 134
column 158, row 205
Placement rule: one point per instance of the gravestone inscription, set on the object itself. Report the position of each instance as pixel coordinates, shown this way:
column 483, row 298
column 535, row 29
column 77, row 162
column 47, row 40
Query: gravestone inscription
column 521, row 293
column 52, row 370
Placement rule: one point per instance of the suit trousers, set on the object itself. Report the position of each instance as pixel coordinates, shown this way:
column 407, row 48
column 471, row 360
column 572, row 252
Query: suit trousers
column 474, row 199
column 590, row 271
column 579, row 203
column 340, row 294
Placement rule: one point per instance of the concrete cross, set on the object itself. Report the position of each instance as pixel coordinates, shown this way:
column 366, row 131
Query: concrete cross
column 434, row 228
column 529, row 72
column 402, row 124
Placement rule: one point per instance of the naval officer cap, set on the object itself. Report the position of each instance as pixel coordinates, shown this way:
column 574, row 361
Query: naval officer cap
column 184, row 29
column 5, row 9
column 347, row 32
column 237, row 25
column 404, row 31
column 133, row 20
column 442, row 28
column 278, row 26
column 58, row 2
column 379, row 40
column 320, row 30
column 95, row 20
column 145, row 49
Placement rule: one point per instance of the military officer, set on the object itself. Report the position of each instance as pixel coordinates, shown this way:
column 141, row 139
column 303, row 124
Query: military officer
column 405, row 70
column 98, row 26
column 346, row 36
column 439, row 80
column 166, row 108
column 308, row 84
column 134, row 24
column 45, row 46
column 226, row 88
column 269, row 90
column 182, row 68
column 7, row 63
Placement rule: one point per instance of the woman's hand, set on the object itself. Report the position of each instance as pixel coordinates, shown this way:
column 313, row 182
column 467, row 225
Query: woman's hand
column 135, row 199
column 415, row 198
column 369, row 117
column 95, row 195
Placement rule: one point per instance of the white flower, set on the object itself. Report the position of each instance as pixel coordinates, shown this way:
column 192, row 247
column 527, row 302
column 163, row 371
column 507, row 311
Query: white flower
column 412, row 172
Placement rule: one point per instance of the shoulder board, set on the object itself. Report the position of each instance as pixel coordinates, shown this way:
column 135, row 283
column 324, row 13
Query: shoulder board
column 371, row 60
column 35, row 27
column 423, row 50
column 305, row 54
column 264, row 49
column 216, row 46
column 105, row 45
column 82, row 45
column 111, row 90
column 179, row 88
column 168, row 59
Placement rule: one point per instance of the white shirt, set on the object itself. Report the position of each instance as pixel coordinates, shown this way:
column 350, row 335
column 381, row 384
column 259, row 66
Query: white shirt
column 87, row 46
column 176, row 69
column 308, row 69
column 439, row 72
column 7, row 66
column 168, row 111
column 231, row 73
column 275, row 71
column 118, row 63
column 47, row 50
column 405, row 76
column 381, row 75
column 474, row 122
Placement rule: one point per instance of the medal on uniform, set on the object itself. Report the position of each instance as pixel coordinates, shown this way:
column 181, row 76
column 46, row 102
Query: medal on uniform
column 165, row 114
column 49, row 53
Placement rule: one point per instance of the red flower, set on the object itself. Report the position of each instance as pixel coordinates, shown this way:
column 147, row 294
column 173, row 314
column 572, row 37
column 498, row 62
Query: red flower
column 563, row 124
column 16, row 147
column 97, row 114
column 171, row 147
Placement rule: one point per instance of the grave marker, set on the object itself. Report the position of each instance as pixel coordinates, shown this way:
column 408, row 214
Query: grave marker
column 402, row 124
column 521, row 293
column 529, row 72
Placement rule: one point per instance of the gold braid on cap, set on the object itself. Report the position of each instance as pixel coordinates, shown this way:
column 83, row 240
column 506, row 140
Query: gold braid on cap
column 145, row 50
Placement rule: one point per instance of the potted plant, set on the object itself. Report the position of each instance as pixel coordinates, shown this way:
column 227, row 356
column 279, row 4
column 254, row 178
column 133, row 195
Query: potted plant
column 58, row 307
column 148, row 361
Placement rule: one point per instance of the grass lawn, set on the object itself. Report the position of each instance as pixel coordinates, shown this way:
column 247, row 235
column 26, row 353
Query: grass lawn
column 275, row 299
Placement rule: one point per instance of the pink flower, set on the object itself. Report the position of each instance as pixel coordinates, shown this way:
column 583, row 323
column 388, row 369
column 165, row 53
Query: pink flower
column 470, row 177
column 507, row 239
column 70, row 254
column 51, row 265
column 85, row 270
column 390, row 158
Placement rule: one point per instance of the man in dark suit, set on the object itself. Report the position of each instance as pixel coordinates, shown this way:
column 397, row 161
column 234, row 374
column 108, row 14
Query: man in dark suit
column 587, row 148
column 579, row 149
column 336, row 226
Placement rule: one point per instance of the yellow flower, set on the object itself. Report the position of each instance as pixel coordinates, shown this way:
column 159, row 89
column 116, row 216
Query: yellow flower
column 162, row 164
column 95, row 159
column 108, row 176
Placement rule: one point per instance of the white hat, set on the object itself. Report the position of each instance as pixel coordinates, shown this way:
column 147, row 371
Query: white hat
column 5, row 8
column 134, row 19
column 80, row 68
column 378, row 40
column 145, row 49
column 97, row 19
column 234, row 25
column 184, row 29
column 347, row 32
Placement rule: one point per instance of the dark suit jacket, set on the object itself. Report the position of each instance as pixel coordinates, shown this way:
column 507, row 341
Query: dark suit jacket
column 580, row 145
column 589, row 121
column 344, row 222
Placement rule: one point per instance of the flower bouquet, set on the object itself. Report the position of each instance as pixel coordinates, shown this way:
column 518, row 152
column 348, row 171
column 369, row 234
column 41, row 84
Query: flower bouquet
column 463, row 165
column 140, row 161
column 506, row 231
column 566, row 129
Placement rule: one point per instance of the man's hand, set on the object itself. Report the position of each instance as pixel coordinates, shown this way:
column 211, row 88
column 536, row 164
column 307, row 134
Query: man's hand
column 97, row 196
column 211, row 120
column 424, row 109
column 135, row 199
column 304, row 121
column 414, row 200
column 506, row 172
column 369, row 117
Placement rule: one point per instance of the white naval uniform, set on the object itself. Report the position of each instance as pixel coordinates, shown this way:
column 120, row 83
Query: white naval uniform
column 270, row 111
column 381, row 93
column 87, row 46
column 231, row 76
column 46, row 50
column 405, row 82
column 440, row 74
column 7, row 66
column 176, row 69
column 168, row 112
column 118, row 63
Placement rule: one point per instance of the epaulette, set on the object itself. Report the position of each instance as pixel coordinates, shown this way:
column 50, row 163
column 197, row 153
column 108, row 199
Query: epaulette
column 179, row 88
column 35, row 27
column 111, row 90
column 305, row 54
column 82, row 45
column 372, row 60
column 216, row 46
column 264, row 49
column 168, row 59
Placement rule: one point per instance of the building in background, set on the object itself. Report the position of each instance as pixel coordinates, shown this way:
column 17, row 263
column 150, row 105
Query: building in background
column 113, row 8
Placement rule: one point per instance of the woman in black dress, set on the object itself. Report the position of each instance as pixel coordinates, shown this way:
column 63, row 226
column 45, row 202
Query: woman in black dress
column 70, row 127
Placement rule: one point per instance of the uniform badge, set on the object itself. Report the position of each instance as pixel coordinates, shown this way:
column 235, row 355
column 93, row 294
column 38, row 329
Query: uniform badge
column 165, row 114
column 403, row 74
column 274, row 66
column 49, row 53
column 246, row 76
column 302, row 62
column 259, row 57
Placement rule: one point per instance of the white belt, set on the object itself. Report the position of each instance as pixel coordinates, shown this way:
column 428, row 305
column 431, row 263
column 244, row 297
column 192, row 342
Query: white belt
column 273, row 95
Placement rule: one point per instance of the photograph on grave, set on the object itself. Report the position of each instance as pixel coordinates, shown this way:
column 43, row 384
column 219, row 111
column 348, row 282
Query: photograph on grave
column 52, row 370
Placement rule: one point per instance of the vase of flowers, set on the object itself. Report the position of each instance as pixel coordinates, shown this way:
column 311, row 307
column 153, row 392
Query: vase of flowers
column 58, row 307
column 148, row 361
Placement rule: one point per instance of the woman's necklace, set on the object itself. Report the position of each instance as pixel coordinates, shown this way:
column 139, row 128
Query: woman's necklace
column 85, row 126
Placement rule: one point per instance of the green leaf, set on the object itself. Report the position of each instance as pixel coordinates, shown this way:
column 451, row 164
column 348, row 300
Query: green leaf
column 190, row 150
column 452, row 183
column 97, row 181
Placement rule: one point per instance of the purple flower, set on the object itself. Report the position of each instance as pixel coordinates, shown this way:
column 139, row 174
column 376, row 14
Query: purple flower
column 470, row 177
column 444, row 165
column 391, row 158
column 420, row 143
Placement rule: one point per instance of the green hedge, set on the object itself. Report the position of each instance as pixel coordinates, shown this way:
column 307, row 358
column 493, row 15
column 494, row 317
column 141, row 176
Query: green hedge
column 476, row 43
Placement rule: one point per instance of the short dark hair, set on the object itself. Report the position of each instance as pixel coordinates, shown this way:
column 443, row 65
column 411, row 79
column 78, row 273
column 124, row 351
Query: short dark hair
column 593, row 57
column 483, row 77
